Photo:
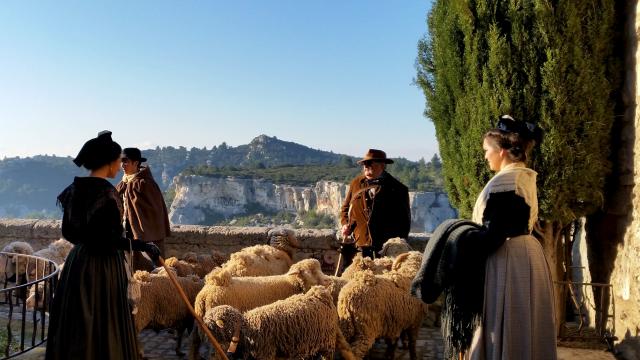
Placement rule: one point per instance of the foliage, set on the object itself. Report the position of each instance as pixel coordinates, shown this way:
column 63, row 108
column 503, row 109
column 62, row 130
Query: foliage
column 547, row 62
column 420, row 176
column 314, row 220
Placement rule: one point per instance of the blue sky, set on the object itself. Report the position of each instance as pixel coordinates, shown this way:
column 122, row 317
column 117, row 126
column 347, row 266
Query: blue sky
column 333, row 75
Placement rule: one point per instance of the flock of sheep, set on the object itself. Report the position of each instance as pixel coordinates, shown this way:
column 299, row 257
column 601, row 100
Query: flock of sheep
column 261, row 305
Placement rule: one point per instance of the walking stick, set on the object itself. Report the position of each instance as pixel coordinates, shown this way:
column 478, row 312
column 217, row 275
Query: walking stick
column 343, row 239
column 193, row 312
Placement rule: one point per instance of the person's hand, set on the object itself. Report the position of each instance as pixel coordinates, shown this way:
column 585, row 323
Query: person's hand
column 153, row 251
column 346, row 230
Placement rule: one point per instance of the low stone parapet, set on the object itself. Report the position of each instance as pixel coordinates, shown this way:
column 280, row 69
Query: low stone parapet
column 316, row 243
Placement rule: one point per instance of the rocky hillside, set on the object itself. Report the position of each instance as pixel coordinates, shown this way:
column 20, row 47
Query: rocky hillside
column 29, row 186
column 209, row 200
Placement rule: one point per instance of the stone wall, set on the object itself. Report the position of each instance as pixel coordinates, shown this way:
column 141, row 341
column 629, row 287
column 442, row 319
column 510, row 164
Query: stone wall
column 625, row 275
column 319, row 244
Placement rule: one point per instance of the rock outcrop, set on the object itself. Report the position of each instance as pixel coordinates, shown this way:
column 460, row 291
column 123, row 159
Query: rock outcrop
column 201, row 200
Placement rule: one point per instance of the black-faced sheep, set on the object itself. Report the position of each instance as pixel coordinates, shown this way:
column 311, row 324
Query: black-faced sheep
column 246, row 293
column 299, row 327
column 374, row 306
column 161, row 307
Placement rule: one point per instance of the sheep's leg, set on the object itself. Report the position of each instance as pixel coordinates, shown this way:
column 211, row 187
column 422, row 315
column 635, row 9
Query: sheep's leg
column 391, row 348
column 179, row 332
column 196, row 341
column 412, row 333
column 140, row 349
column 361, row 344
column 404, row 342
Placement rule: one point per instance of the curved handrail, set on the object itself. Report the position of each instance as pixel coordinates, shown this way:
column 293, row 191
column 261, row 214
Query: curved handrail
column 17, row 293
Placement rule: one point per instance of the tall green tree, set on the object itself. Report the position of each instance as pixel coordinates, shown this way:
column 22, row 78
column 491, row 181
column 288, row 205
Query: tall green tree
column 549, row 62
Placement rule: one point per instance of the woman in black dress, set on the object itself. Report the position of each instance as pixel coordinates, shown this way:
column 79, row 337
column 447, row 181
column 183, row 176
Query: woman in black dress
column 90, row 313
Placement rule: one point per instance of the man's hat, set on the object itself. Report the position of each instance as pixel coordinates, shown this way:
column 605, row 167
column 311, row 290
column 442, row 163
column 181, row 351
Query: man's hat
column 133, row 154
column 375, row 155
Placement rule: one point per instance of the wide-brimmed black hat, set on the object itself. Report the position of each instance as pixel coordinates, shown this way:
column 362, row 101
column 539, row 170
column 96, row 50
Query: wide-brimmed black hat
column 98, row 151
column 133, row 154
column 375, row 155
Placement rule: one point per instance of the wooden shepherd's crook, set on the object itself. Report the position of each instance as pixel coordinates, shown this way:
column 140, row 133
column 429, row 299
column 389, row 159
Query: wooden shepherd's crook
column 193, row 312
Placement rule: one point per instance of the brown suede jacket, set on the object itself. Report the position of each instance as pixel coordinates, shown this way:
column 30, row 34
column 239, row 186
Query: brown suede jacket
column 146, row 211
column 376, row 220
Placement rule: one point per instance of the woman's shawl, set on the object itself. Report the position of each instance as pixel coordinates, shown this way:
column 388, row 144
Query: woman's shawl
column 513, row 177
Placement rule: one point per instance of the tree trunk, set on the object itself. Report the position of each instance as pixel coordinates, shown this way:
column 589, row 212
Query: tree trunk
column 550, row 236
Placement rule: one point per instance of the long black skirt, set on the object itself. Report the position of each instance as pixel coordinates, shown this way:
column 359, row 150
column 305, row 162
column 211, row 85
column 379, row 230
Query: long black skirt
column 90, row 316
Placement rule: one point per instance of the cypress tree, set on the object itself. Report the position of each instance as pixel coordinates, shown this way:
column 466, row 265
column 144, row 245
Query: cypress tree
column 547, row 62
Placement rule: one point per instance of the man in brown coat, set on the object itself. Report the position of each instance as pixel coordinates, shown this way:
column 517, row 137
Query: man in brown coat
column 376, row 207
column 146, row 217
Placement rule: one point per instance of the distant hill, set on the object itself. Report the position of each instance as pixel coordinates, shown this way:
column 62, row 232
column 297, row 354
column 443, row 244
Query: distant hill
column 263, row 151
column 29, row 186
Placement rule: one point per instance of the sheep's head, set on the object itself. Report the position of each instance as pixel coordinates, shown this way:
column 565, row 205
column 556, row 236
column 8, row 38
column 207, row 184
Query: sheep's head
column 284, row 239
column 219, row 257
column 62, row 247
column 366, row 277
column 218, row 277
column 408, row 264
column 223, row 321
column 190, row 257
column 142, row 276
column 322, row 293
column 309, row 273
column 394, row 247
column 181, row 267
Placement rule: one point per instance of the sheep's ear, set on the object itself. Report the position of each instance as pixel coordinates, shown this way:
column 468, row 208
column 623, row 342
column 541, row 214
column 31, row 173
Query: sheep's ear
column 220, row 323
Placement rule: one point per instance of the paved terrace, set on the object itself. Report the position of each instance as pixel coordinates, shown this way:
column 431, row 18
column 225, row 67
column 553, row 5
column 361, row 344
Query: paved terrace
column 429, row 347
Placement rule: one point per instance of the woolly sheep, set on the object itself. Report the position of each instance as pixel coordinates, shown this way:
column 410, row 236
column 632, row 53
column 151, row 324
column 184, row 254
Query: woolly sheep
column 43, row 299
column 394, row 247
column 11, row 265
column 246, row 293
column 160, row 305
column 377, row 266
column 258, row 260
column 301, row 326
column 284, row 239
column 202, row 264
column 406, row 265
column 181, row 267
column 372, row 306
column 57, row 252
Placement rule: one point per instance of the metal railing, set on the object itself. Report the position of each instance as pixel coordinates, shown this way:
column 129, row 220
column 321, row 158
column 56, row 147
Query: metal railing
column 28, row 285
column 585, row 299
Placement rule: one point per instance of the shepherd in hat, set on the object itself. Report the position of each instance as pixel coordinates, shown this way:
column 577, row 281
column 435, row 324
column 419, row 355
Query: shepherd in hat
column 145, row 213
column 376, row 208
